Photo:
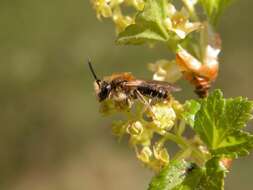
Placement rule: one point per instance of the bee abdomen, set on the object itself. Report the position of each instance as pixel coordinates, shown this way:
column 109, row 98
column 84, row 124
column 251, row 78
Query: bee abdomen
column 202, row 85
column 153, row 92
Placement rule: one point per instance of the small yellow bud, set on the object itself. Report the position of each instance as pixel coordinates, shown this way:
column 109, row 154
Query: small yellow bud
column 106, row 11
column 135, row 128
column 171, row 10
column 120, row 20
column 118, row 128
column 168, row 23
column 106, row 107
column 145, row 154
column 161, row 154
column 102, row 8
column 139, row 4
column 177, row 106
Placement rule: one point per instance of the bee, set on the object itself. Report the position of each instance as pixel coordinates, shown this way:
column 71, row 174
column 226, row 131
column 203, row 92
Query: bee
column 201, row 74
column 125, row 87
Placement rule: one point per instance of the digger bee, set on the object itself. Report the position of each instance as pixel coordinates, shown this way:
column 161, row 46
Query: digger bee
column 201, row 73
column 125, row 87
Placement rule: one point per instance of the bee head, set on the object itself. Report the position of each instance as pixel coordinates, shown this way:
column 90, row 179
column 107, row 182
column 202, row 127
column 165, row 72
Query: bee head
column 102, row 88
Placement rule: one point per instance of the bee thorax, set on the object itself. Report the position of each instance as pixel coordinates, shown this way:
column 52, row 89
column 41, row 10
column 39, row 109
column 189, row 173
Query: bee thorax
column 119, row 96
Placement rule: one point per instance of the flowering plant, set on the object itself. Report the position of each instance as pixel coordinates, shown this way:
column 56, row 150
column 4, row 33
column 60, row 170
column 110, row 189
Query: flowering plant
column 204, row 159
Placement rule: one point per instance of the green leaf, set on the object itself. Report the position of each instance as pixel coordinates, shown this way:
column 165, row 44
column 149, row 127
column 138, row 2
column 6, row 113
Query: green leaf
column 238, row 143
column 178, row 175
column 149, row 25
column 192, row 179
column 190, row 109
column 219, row 124
column 214, row 176
column 214, row 8
column 181, row 175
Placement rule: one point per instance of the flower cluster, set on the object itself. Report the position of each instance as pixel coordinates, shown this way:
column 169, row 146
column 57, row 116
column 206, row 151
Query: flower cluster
column 146, row 126
column 112, row 9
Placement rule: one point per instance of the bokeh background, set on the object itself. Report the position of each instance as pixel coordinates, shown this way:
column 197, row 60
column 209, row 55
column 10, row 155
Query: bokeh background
column 52, row 136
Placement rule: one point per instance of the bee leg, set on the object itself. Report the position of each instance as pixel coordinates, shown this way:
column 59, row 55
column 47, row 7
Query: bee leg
column 141, row 98
column 145, row 102
column 129, row 102
column 153, row 101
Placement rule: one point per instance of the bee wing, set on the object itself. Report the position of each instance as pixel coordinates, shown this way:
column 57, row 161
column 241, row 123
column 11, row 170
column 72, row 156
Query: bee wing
column 153, row 84
column 134, row 83
column 166, row 85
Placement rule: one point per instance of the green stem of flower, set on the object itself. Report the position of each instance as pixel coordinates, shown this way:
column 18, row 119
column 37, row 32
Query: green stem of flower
column 180, row 128
column 190, row 7
column 198, row 156
column 182, row 154
column 180, row 141
column 186, row 147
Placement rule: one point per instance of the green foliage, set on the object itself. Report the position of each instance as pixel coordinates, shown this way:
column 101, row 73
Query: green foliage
column 149, row 26
column 182, row 175
column 215, row 8
column 219, row 124
column 191, row 107
column 174, row 177
column 191, row 180
column 213, row 178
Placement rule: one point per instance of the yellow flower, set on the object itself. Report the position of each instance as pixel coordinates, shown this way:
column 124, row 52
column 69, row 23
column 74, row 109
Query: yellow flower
column 136, row 128
column 102, row 8
column 139, row 134
column 161, row 154
column 178, row 22
column 119, row 128
column 165, row 70
column 177, row 106
column 164, row 117
column 138, row 4
column 120, row 20
column 112, row 8
column 145, row 154
column 107, row 107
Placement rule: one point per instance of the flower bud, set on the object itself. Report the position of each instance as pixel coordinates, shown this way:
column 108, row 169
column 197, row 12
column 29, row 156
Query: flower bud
column 177, row 106
column 135, row 128
column 145, row 154
column 102, row 8
column 138, row 4
column 161, row 154
column 168, row 23
column 118, row 128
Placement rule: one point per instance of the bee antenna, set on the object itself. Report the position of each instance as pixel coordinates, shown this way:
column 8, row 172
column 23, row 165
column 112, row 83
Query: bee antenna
column 93, row 72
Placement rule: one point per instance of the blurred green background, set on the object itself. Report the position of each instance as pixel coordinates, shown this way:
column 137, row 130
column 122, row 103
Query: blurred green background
column 52, row 136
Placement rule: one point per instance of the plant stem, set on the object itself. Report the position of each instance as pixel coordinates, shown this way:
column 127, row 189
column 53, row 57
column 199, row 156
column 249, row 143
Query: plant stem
column 186, row 147
column 191, row 9
column 178, row 140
